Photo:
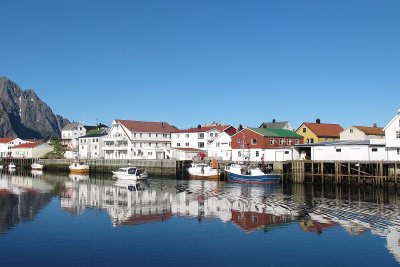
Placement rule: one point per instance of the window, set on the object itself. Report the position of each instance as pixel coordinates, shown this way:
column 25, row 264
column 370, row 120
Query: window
column 186, row 144
column 217, row 144
column 257, row 153
column 351, row 130
column 296, row 142
column 289, row 141
column 178, row 144
column 254, row 141
column 398, row 151
column 287, row 152
column 304, row 130
column 374, row 149
column 150, row 135
column 239, row 153
column 201, row 144
column 338, row 150
column 271, row 141
column 216, row 134
column 95, row 147
column 187, row 135
column 166, row 135
column 201, row 135
column 281, row 141
column 238, row 141
column 312, row 140
column 211, row 134
column 398, row 134
column 140, row 135
column 150, row 153
column 156, row 135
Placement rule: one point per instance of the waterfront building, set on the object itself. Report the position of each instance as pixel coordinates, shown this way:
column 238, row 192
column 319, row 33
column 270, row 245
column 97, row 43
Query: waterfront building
column 362, row 133
column 392, row 133
column 31, row 150
column 200, row 137
column 221, row 147
column 91, row 144
column 71, row 132
column 183, row 153
column 343, row 150
column 129, row 139
column 7, row 143
column 319, row 132
column 258, row 144
column 285, row 125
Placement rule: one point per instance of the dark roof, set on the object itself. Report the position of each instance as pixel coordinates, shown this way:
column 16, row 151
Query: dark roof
column 274, row 125
column 276, row 132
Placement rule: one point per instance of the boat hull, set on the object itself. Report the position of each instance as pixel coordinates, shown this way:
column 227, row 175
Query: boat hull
column 123, row 176
column 254, row 179
column 204, row 177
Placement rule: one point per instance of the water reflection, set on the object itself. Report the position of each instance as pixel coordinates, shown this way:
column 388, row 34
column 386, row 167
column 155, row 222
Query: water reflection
column 249, row 207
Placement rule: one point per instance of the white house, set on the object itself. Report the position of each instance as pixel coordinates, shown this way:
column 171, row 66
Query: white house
column 184, row 153
column 200, row 137
column 71, row 132
column 359, row 150
column 392, row 133
column 137, row 140
column 221, row 147
column 362, row 133
column 7, row 143
column 91, row 145
column 31, row 150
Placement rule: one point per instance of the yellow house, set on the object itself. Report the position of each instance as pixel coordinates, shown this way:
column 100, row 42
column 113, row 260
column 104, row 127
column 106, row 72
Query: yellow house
column 319, row 132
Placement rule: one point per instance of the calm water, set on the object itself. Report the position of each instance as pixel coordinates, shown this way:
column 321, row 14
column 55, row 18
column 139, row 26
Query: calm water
column 50, row 220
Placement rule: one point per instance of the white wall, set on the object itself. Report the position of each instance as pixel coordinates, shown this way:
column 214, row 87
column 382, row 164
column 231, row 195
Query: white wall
column 36, row 152
column 348, row 152
column 221, row 147
column 390, row 132
column 192, row 140
column 283, row 154
column 393, row 153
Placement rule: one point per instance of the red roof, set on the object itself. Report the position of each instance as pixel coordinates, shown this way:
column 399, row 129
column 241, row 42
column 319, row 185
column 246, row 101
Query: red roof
column 325, row 129
column 28, row 145
column 203, row 129
column 371, row 130
column 147, row 127
column 6, row 140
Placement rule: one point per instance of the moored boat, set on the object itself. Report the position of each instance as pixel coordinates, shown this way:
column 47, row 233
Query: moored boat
column 242, row 173
column 203, row 171
column 37, row 166
column 79, row 167
column 130, row 173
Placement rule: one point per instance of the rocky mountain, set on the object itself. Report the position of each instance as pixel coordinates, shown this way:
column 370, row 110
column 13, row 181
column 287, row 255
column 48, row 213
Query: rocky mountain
column 24, row 115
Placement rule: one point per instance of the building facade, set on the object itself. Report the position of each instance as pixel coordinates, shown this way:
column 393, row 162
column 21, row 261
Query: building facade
column 362, row 133
column 6, row 144
column 31, row 150
column 91, row 145
column 137, row 140
column 392, row 134
column 319, row 132
column 221, row 147
column 257, row 144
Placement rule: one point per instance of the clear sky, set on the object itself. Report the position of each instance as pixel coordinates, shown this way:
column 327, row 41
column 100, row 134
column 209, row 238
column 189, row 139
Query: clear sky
column 191, row 62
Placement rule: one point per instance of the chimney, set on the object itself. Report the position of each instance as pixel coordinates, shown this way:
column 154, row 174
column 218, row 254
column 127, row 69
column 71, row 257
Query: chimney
column 375, row 125
column 273, row 120
column 199, row 126
column 318, row 121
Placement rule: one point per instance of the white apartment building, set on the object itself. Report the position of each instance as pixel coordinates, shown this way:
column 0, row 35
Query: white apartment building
column 91, row 146
column 200, row 137
column 137, row 140
column 70, row 134
column 392, row 133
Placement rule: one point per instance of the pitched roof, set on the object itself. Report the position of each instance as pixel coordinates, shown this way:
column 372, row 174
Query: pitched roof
column 70, row 126
column 203, row 129
column 276, row 132
column 147, row 127
column 28, row 145
column 274, row 125
column 371, row 130
column 6, row 140
column 324, row 129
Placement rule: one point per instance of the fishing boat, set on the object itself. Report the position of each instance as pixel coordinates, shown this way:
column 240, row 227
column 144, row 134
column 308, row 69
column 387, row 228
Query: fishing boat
column 242, row 173
column 130, row 173
column 79, row 167
column 37, row 166
column 203, row 171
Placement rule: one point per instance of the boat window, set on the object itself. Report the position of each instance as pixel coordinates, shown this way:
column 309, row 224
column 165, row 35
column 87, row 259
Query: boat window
column 131, row 171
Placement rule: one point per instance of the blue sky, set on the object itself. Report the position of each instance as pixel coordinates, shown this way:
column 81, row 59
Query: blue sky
column 192, row 62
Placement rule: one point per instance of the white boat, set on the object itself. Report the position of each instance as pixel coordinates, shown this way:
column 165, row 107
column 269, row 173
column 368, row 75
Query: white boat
column 37, row 166
column 131, row 185
column 242, row 173
column 12, row 166
column 130, row 173
column 203, row 171
column 79, row 167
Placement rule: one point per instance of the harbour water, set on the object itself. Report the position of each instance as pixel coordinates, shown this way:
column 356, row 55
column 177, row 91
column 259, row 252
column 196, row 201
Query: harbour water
column 75, row 220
